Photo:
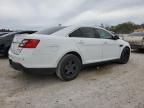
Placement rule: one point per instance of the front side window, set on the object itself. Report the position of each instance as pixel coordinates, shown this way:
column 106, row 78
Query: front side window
column 104, row 34
column 96, row 33
column 88, row 32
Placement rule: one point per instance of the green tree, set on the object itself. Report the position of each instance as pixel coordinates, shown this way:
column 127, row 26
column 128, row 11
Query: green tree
column 126, row 27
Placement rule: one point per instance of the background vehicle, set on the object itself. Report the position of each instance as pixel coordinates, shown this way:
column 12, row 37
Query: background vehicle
column 65, row 49
column 6, row 40
column 136, row 40
column 3, row 33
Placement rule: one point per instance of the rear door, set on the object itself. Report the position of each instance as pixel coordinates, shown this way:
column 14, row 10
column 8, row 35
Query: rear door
column 89, row 44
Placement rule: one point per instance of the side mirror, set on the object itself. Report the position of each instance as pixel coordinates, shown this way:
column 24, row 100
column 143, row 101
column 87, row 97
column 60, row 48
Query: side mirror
column 116, row 37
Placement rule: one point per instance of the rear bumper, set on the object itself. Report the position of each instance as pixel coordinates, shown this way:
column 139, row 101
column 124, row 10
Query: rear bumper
column 29, row 59
column 19, row 67
column 16, row 66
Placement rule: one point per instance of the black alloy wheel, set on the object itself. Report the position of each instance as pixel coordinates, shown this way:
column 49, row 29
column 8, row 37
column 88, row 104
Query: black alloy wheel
column 125, row 56
column 68, row 67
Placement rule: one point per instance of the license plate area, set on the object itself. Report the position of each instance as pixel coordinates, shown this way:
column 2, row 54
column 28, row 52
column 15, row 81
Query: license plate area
column 15, row 49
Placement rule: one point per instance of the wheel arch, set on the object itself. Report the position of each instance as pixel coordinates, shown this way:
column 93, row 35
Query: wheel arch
column 127, row 47
column 74, row 53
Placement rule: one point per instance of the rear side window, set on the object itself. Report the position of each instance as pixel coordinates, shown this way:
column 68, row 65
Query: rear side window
column 85, row 32
column 76, row 33
column 50, row 31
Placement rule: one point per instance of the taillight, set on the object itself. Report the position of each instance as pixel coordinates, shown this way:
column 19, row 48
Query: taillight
column 29, row 43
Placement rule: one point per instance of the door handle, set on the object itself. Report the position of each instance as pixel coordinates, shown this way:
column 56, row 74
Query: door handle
column 80, row 42
column 105, row 42
column 121, row 45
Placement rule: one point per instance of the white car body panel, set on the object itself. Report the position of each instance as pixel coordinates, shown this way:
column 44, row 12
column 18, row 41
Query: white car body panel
column 53, row 47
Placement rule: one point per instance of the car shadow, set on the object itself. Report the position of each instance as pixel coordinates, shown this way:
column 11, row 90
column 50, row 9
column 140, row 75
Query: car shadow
column 102, row 67
column 3, row 57
column 138, row 51
column 90, row 67
column 36, row 81
column 35, row 77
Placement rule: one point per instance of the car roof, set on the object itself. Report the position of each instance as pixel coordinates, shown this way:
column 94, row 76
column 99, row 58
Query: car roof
column 69, row 29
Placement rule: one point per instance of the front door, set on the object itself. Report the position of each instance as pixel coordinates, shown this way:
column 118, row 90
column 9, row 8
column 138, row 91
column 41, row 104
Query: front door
column 111, row 47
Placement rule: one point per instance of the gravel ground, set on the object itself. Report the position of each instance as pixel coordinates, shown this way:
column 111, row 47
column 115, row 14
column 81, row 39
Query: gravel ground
column 107, row 86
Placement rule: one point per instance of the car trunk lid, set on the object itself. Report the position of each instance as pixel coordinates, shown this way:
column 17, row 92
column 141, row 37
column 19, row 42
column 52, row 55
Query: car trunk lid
column 15, row 44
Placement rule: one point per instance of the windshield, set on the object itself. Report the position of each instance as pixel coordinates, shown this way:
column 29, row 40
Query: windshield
column 137, row 34
column 50, row 31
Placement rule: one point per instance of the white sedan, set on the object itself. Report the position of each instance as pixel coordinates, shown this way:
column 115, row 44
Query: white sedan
column 64, row 50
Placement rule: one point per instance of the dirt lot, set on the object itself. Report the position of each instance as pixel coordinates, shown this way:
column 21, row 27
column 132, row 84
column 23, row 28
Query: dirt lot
column 109, row 86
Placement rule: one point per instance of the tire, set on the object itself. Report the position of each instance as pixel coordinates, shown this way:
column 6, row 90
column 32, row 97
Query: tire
column 68, row 67
column 124, row 56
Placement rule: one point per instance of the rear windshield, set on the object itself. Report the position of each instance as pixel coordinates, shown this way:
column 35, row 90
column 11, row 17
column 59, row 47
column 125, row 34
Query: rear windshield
column 50, row 31
column 137, row 34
